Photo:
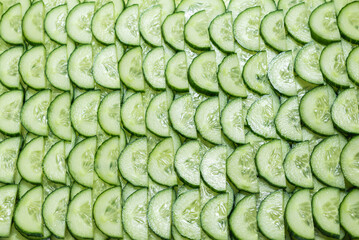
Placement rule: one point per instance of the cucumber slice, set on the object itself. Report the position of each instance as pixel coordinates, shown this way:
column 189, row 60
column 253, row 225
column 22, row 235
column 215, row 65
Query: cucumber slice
column 54, row 164
column 130, row 68
column 281, row 74
column 323, row 24
column 196, row 32
column 325, row 161
column 80, row 67
column 255, row 74
column 105, row 68
column 332, row 65
column 126, row 27
column 181, row 114
column 269, row 162
column 351, row 63
column 11, row 26
column 347, row 24
column 243, row 219
column 348, row 161
column 172, row 30
column 159, row 212
column 79, row 215
column 56, row 69
column 9, row 67
column 326, row 211
column 154, row 68
column 33, row 23
column 230, row 77
column 207, row 120
column 133, row 115
column 270, row 216
column 134, row 215
column 150, row 26
column 106, row 160
column 246, row 28
column 109, row 116
column 186, row 214
column 27, row 216
column 78, row 22
column 176, row 72
column 213, row 7
column 314, row 110
column 221, row 33
column 32, row 67
column 7, row 202
column 161, row 163
column 298, row 215
column 103, row 23
column 157, row 115
column 187, row 161
column 232, row 121
column 273, row 32
column 287, row 120
column 213, row 167
column 132, row 163
column 107, row 211
column 306, row 63
column 54, row 24
column 34, row 113
column 83, row 113
column 297, row 167
column 214, row 217
column 80, row 161
column 345, row 111
column 54, row 211
column 241, row 169
column 296, row 22
column 10, row 149
column 347, row 212
column 261, row 116
column 58, row 116
column 11, row 105
column 203, row 73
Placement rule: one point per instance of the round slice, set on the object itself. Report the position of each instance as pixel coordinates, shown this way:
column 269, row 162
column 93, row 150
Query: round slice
column 296, row 22
column 176, row 72
column 172, row 30
column 196, row 32
column 150, row 25
column 130, row 68
column 351, row 63
column 347, row 212
column 10, row 149
column 347, row 23
column 154, row 68
column 33, row 23
column 221, row 32
column 10, row 25
column 126, row 27
column 273, row 31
